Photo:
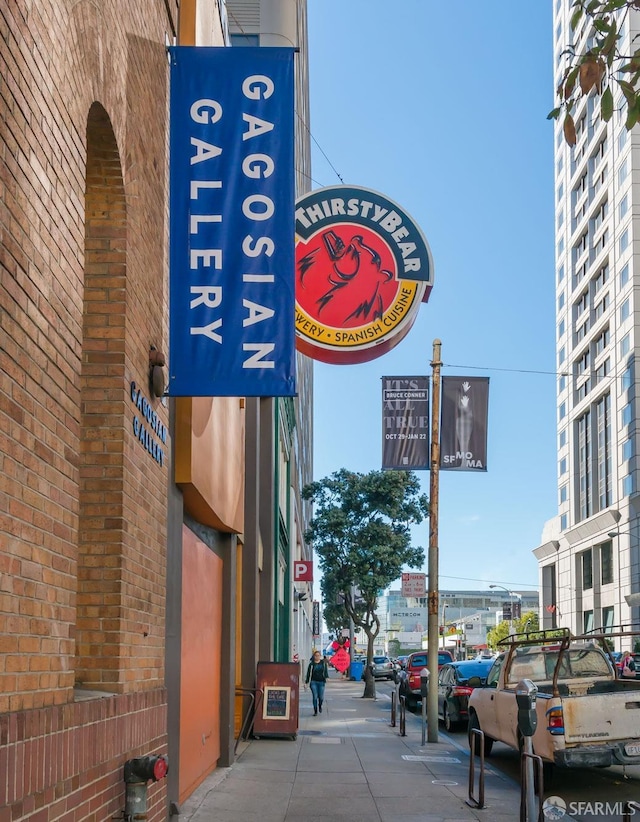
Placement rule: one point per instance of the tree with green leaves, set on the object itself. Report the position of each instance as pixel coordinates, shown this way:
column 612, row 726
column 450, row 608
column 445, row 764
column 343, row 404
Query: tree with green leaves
column 601, row 65
column 528, row 623
column 360, row 532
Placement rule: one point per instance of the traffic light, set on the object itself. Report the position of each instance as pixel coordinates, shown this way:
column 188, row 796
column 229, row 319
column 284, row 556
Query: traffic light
column 145, row 768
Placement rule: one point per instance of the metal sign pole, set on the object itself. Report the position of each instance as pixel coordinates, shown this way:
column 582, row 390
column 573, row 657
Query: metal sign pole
column 432, row 621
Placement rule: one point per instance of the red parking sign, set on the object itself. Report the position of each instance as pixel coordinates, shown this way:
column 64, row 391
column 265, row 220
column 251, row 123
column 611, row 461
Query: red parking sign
column 302, row 571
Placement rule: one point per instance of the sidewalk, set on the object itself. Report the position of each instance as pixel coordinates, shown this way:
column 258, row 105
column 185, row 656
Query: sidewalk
column 348, row 764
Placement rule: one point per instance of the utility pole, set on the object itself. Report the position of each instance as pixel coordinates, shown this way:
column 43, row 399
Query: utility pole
column 352, row 632
column 433, row 633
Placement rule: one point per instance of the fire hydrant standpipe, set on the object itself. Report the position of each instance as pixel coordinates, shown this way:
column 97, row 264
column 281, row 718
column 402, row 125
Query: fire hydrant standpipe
column 137, row 773
column 135, row 805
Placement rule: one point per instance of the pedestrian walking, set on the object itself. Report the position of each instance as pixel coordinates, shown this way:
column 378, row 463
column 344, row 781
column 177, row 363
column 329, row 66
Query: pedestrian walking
column 317, row 675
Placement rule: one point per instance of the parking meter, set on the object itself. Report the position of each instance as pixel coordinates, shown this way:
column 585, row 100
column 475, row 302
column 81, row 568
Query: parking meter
column 424, row 682
column 424, row 690
column 526, row 694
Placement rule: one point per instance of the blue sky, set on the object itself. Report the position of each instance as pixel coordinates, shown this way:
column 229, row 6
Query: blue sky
column 442, row 107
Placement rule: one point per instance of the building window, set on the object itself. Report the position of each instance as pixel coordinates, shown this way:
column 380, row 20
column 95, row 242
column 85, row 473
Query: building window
column 562, row 439
column 561, row 274
column 564, row 494
column 623, row 171
column 603, row 370
column 581, row 246
column 583, row 425
column 601, row 279
column 607, row 619
column 583, row 391
column 626, row 380
column 602, row 342
column 562, row 383
column 624, row 311
column 563, row 410
column 586, row 563
column 601, row 307
column 563, row 466
column 245, row 39
column 587, row 621
column 624, row 276
column 563, row 522
column 579, row 274
column 627, row 449
column 581, row 304
column 625, row 345
column 581, row 331
column 600, row 151
column 624, row 202
column 603, row 457
column 561, row 301
column 562, row 355
column 628, row 485
column 602, row 242
column 626, row 414
column 624, row 240
column 606, row 563
column 600, row 216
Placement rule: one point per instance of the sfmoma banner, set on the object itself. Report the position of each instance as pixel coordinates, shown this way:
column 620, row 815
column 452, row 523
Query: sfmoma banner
column 463, row 427
column 232, row 268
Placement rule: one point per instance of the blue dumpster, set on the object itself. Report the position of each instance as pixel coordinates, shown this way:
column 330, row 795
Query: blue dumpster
column 356, row 669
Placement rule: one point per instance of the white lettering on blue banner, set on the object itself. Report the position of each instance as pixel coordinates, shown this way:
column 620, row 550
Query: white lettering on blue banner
column 232, row 286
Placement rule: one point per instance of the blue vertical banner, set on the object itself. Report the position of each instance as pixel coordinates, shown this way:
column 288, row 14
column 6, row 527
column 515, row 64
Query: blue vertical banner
column 232, row 281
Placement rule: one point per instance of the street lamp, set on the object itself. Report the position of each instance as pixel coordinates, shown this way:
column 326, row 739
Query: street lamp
column 511, row 601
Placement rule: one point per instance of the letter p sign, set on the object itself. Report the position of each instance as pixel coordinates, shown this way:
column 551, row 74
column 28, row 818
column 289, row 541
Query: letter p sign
column 302, row 571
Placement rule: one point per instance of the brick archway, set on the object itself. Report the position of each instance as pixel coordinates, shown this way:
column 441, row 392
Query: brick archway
column 99, row 615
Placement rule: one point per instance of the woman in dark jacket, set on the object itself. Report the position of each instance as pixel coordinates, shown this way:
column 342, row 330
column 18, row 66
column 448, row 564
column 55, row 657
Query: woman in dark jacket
column 317, row 675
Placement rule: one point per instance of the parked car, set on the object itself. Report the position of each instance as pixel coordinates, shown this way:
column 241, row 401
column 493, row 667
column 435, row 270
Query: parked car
column 585, row 712
column 410, row 679
column 402, row 661
column 383, row 668
column 454, row 689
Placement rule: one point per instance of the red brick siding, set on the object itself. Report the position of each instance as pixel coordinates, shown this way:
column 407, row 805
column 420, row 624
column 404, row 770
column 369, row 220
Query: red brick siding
column 56, row 60
column 75, row 331
column 67, row 761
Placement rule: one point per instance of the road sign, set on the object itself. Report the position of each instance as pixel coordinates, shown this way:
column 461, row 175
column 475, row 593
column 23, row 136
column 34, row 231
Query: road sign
column 414, row 585
column 302, row 570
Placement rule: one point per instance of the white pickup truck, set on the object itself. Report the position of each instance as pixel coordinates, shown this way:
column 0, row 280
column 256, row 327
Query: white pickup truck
column 586, row 714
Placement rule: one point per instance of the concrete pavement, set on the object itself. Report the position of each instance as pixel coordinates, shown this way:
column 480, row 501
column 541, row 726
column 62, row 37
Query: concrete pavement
column 348, row 763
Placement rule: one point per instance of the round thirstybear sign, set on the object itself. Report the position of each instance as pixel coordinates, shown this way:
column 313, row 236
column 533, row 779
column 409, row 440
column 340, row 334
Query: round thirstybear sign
column 362, row 269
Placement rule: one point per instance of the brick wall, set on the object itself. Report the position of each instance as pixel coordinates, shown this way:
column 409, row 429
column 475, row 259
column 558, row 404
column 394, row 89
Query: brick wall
column 83, row 295
column 84, row 271
column 66, row 762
